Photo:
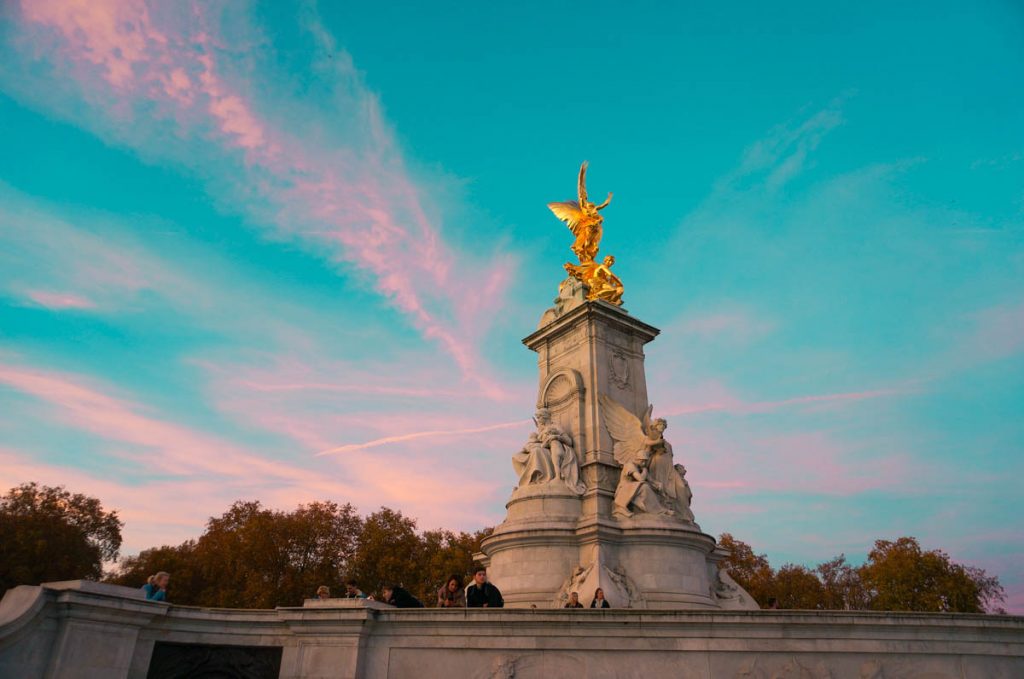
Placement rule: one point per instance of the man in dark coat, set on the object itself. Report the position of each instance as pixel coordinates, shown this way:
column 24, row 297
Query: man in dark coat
column 399, row 597
column 482, row 594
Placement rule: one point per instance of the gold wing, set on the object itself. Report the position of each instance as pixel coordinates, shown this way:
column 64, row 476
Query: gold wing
column 570, row 213
column 583, row 183
column 583, row 189
column 625, row 429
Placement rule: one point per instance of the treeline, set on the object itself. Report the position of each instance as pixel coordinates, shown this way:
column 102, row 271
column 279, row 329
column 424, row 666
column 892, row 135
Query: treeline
column 255, row 557
column 897, row 576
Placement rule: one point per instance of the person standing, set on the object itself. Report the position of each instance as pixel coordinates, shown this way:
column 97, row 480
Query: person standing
column 599, row 600
column 481, row 593
column 323, row 592
column 451, row 594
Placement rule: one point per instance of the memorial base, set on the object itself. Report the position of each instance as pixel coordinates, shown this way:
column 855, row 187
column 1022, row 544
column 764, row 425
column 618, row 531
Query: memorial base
column 79, row 630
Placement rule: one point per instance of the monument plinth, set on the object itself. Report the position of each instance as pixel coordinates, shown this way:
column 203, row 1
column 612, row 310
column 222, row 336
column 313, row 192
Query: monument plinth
column 600, row 500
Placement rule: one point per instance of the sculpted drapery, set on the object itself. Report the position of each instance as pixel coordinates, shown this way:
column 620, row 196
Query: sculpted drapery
column 548, row 455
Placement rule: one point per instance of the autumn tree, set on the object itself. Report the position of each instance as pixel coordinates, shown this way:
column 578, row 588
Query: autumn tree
column 254, row 557
column 751, row 571
column 187, row 582
column 795, row 586
column 900, row 576
column 389, row 552
column 48, row 534
column 842, row 585
column 446, row 553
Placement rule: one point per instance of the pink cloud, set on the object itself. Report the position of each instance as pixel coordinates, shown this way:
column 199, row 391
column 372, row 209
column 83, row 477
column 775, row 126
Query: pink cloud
column 417, row 435
column 353, row 201
column 59, row 265
column 59, row 301
column 183, row 457
column 324, row 403
column 806, row 462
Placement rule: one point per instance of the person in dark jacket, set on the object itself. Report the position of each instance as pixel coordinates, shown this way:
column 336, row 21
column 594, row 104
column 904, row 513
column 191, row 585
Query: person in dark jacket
column 482, row 594
column 574, row 601
column 399, row 597
column 599, row 600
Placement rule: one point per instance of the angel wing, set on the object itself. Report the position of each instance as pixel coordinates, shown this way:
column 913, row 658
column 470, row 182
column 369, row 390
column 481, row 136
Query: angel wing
column 583, row 191
column 569, row 212
column 625, row 429
column 583, row 183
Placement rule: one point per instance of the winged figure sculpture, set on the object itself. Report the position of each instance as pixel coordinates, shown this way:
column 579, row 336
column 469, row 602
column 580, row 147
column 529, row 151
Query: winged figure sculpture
column 583, row 219
column 649, row 481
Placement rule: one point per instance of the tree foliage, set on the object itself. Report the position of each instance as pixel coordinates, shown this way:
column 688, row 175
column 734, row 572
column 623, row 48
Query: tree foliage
column 49, row 534
column 897, row 576
column 900, row 576
column 751, row 571
column 254, row 557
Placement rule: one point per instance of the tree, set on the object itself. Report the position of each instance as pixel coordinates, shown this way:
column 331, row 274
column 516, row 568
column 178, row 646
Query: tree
column 180, row 560
column 751, row 571
column 389, row 552
column 253, row 557
column 900, row 576
column 843, row 589
column 445, row 554
column 797, row 586
column 48, row 534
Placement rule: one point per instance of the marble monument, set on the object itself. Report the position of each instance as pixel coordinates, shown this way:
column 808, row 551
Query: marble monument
column 600, row 499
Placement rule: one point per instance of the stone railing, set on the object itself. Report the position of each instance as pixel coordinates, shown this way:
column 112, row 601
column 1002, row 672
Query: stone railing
column 85, row 629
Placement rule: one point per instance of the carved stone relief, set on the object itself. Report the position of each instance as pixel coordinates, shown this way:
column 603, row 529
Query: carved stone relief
column 618, row 369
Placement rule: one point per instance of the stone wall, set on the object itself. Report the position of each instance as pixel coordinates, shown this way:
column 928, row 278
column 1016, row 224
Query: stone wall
column 82, row 629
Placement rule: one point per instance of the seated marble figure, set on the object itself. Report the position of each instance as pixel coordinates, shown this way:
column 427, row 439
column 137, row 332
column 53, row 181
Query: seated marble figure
column 548, row 456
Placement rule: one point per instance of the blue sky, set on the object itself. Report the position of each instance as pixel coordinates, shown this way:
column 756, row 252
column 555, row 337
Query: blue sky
column 234, row 237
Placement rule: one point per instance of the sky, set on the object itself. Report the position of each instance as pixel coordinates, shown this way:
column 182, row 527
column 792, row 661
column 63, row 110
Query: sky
column 288, row 251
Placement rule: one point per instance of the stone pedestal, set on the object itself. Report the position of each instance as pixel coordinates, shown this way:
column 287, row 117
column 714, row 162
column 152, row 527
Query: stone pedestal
column 554, row 541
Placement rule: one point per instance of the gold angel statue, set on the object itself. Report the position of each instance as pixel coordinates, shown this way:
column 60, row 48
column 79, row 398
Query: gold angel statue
column 584, row 220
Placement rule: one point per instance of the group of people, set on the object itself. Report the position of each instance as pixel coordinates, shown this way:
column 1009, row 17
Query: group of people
column 597, row 602
column 478, row 594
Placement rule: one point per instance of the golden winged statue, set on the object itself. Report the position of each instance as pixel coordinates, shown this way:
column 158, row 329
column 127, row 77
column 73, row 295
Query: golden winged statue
column 584, row 220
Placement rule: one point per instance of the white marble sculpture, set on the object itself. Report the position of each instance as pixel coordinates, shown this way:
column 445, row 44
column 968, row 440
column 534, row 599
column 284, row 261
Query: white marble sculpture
column 548, row 456
column 650, row 482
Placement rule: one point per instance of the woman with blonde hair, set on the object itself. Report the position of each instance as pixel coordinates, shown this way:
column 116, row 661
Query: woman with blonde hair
column 156, row 586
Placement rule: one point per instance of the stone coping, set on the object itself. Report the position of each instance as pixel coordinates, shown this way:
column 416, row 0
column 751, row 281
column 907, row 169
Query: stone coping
column 699, row 621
